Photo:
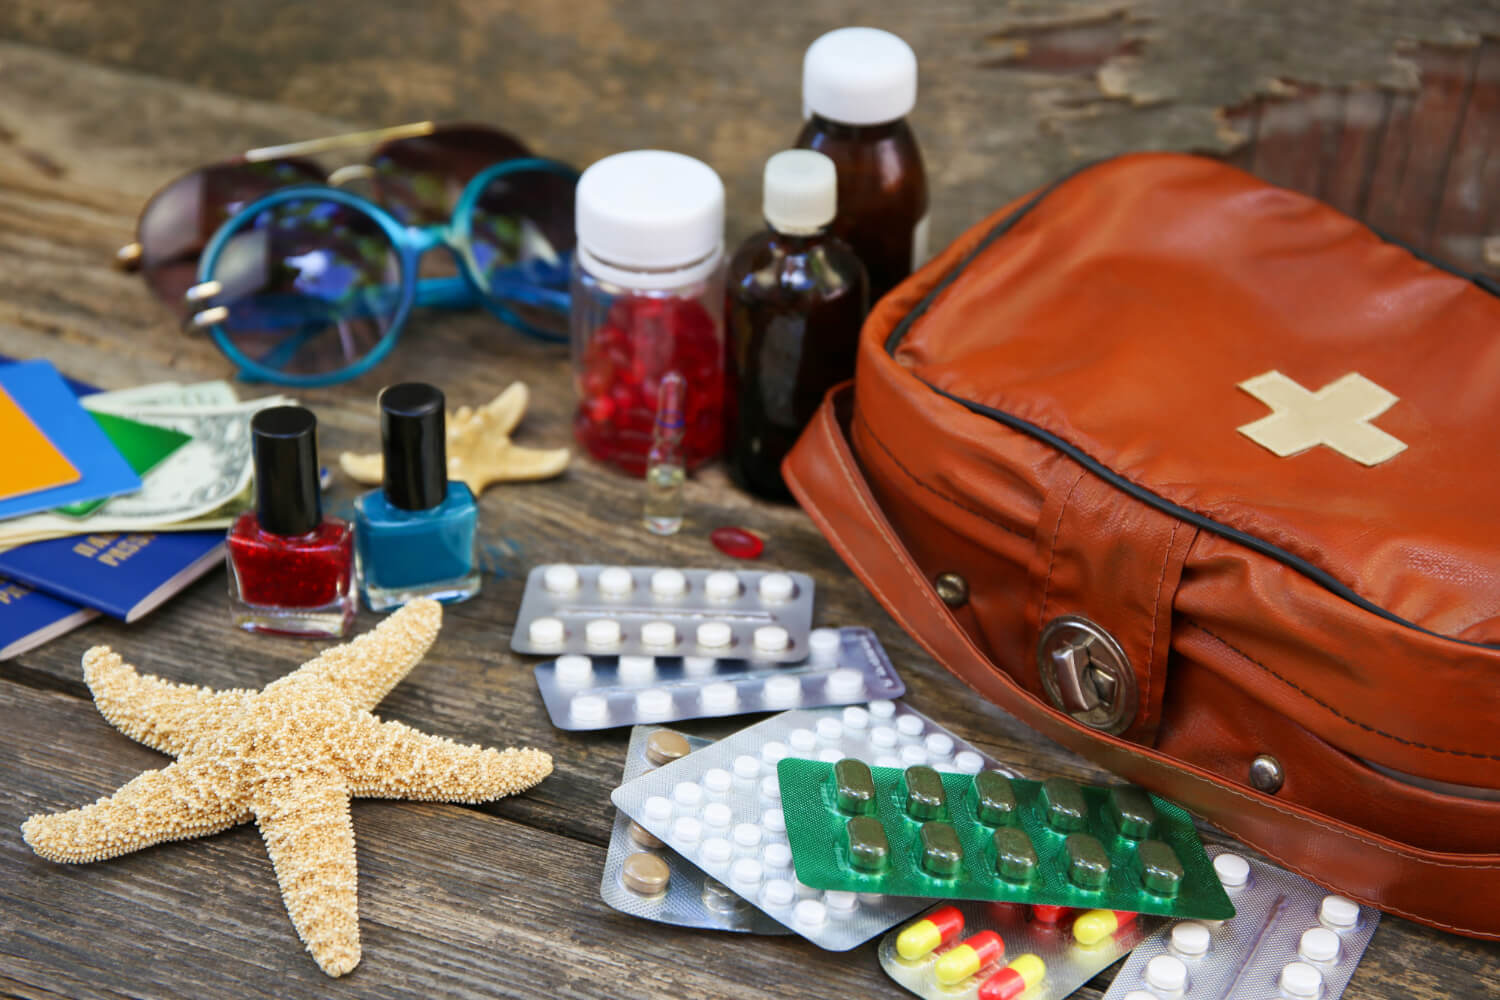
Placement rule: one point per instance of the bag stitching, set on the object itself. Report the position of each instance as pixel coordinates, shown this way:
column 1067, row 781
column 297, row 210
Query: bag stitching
column 1155, row 618
column 1315, row 699
column 1212, row 784
column 1041, row 615
column 933, row 490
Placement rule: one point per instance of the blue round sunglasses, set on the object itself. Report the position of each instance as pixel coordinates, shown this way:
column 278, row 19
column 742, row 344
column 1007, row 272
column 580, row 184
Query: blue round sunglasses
column 311, row 285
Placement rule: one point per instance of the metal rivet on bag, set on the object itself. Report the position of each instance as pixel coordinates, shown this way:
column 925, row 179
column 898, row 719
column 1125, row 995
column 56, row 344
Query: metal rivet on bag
column 953, row 589
column 1086, row 673
column 1266, row 774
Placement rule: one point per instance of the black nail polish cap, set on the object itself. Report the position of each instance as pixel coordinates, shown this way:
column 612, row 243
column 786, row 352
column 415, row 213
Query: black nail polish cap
column 284, row 441
column 413, row 432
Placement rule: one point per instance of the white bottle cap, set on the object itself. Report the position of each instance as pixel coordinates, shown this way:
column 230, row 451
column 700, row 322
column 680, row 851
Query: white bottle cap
column 1298, row 979
column 668, row 583
column 1319, row 944
column 560, row 579
column 1190, row 938
column 859, row 76
column 714, row 635
column 721, row 586
column 801, row 192
column 573, row 670
column 772, row 639
column 545, row 631
column 719, row 697
column 1233, row 870
column 634, row 669
column 661, row 635
column 615, row 581
column 1166, row 974
column 650, row 219
column 1338, row 912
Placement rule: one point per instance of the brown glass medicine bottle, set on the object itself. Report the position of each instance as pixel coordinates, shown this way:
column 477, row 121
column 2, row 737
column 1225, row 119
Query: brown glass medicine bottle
column 858, row 86
column 796, row 298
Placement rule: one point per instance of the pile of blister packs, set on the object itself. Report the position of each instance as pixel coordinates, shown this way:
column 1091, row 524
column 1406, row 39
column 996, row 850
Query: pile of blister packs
column 848, row 814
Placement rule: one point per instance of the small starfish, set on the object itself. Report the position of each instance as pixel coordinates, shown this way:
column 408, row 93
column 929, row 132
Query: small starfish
column 480, row 451
column 289, row 756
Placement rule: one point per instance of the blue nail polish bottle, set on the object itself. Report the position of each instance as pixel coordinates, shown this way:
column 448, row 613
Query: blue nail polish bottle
column 416, row 535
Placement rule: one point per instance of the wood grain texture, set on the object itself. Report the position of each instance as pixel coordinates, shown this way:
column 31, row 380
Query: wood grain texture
column 499, row 900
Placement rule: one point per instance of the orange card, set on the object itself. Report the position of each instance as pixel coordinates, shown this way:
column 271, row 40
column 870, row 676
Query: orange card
column 28, row 461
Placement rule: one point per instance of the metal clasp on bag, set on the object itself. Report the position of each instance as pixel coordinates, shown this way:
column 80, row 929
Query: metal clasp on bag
column 1086, row 673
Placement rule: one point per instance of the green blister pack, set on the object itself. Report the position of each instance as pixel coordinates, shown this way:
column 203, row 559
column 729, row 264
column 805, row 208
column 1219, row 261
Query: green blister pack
column 920, row 832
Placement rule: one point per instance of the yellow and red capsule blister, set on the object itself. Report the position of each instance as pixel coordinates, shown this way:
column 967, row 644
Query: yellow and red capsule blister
column 959, row 963
column 1094, row 926
column 931, row 932
column 1024, row 972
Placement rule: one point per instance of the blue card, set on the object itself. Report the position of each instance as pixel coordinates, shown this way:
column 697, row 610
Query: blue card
column 43, row 395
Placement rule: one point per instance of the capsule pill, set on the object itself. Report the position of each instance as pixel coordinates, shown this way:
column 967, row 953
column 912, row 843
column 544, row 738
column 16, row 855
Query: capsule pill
column 968, row 957
column 1013, row 980
column 922, row 937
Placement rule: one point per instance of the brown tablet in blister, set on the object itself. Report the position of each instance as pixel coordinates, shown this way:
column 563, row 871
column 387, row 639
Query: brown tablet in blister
column 665, row 746
column 645, row 874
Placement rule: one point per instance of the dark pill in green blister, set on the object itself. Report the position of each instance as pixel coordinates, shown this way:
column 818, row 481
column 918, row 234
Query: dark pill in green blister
column 942, row 855
column 854, row 788
column 1161, row 870
column 1088, row 865
column 925, row 797
column 869, row 851
column 994, row 799
column 1065, row 805
column 1015, row 858
column 1132, row 811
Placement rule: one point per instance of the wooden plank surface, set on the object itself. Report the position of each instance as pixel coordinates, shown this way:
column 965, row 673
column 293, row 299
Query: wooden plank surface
column 494, row 900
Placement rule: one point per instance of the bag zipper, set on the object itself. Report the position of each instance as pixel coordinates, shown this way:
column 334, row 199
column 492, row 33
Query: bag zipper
column 1292, row 561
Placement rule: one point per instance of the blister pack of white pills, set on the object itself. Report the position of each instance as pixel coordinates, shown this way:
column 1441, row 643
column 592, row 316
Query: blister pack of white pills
column 644, row 611
column 645, row 878
column 1288, row 939
column 847, row 665
column 729, row 791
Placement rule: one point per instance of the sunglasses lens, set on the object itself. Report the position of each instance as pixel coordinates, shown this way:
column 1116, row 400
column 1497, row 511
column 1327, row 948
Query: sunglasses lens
column 177, row 223
column 311, row 286
column 419, row 180
column 521, row 238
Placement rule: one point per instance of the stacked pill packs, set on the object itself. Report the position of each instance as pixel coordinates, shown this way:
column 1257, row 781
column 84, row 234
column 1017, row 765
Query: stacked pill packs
column 1288, row 939
column 645, row 878
column 730, row 791
column 916, row 832
column 644, row 611
column 846, row 666
column 998, row 951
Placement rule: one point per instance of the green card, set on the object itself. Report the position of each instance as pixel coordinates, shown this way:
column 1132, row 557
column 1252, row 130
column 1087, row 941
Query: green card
column 144, row 447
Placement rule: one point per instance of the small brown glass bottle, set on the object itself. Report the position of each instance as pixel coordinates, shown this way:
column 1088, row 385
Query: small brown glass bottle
column 797, row 297
column 858, row 86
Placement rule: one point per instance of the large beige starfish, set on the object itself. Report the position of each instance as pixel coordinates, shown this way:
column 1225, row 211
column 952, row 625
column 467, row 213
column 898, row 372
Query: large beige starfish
column 289, row 756
column 480, row 451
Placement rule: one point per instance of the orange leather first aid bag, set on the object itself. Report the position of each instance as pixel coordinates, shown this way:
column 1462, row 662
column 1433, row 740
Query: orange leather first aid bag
column 1201, row 478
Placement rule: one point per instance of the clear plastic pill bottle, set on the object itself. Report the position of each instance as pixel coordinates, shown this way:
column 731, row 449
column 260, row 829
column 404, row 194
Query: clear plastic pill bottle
column 648, row 299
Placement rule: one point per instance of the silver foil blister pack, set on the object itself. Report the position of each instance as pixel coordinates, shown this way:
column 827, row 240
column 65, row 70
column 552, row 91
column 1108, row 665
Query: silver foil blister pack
column 1288, row 939
column 689, row 898
column 847, row 666
column 1038, row 957
column 720, row 807
column 757, row 615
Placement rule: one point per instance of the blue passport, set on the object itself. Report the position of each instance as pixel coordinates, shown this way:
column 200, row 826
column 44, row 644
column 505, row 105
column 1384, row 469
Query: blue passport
column 29, row 618
column 125, row 576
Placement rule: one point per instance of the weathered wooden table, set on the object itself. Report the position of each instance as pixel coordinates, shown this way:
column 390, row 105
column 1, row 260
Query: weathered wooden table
column 503, row 899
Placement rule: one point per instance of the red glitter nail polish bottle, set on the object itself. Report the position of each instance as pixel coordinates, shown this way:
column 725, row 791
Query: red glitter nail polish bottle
column 291, row 570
